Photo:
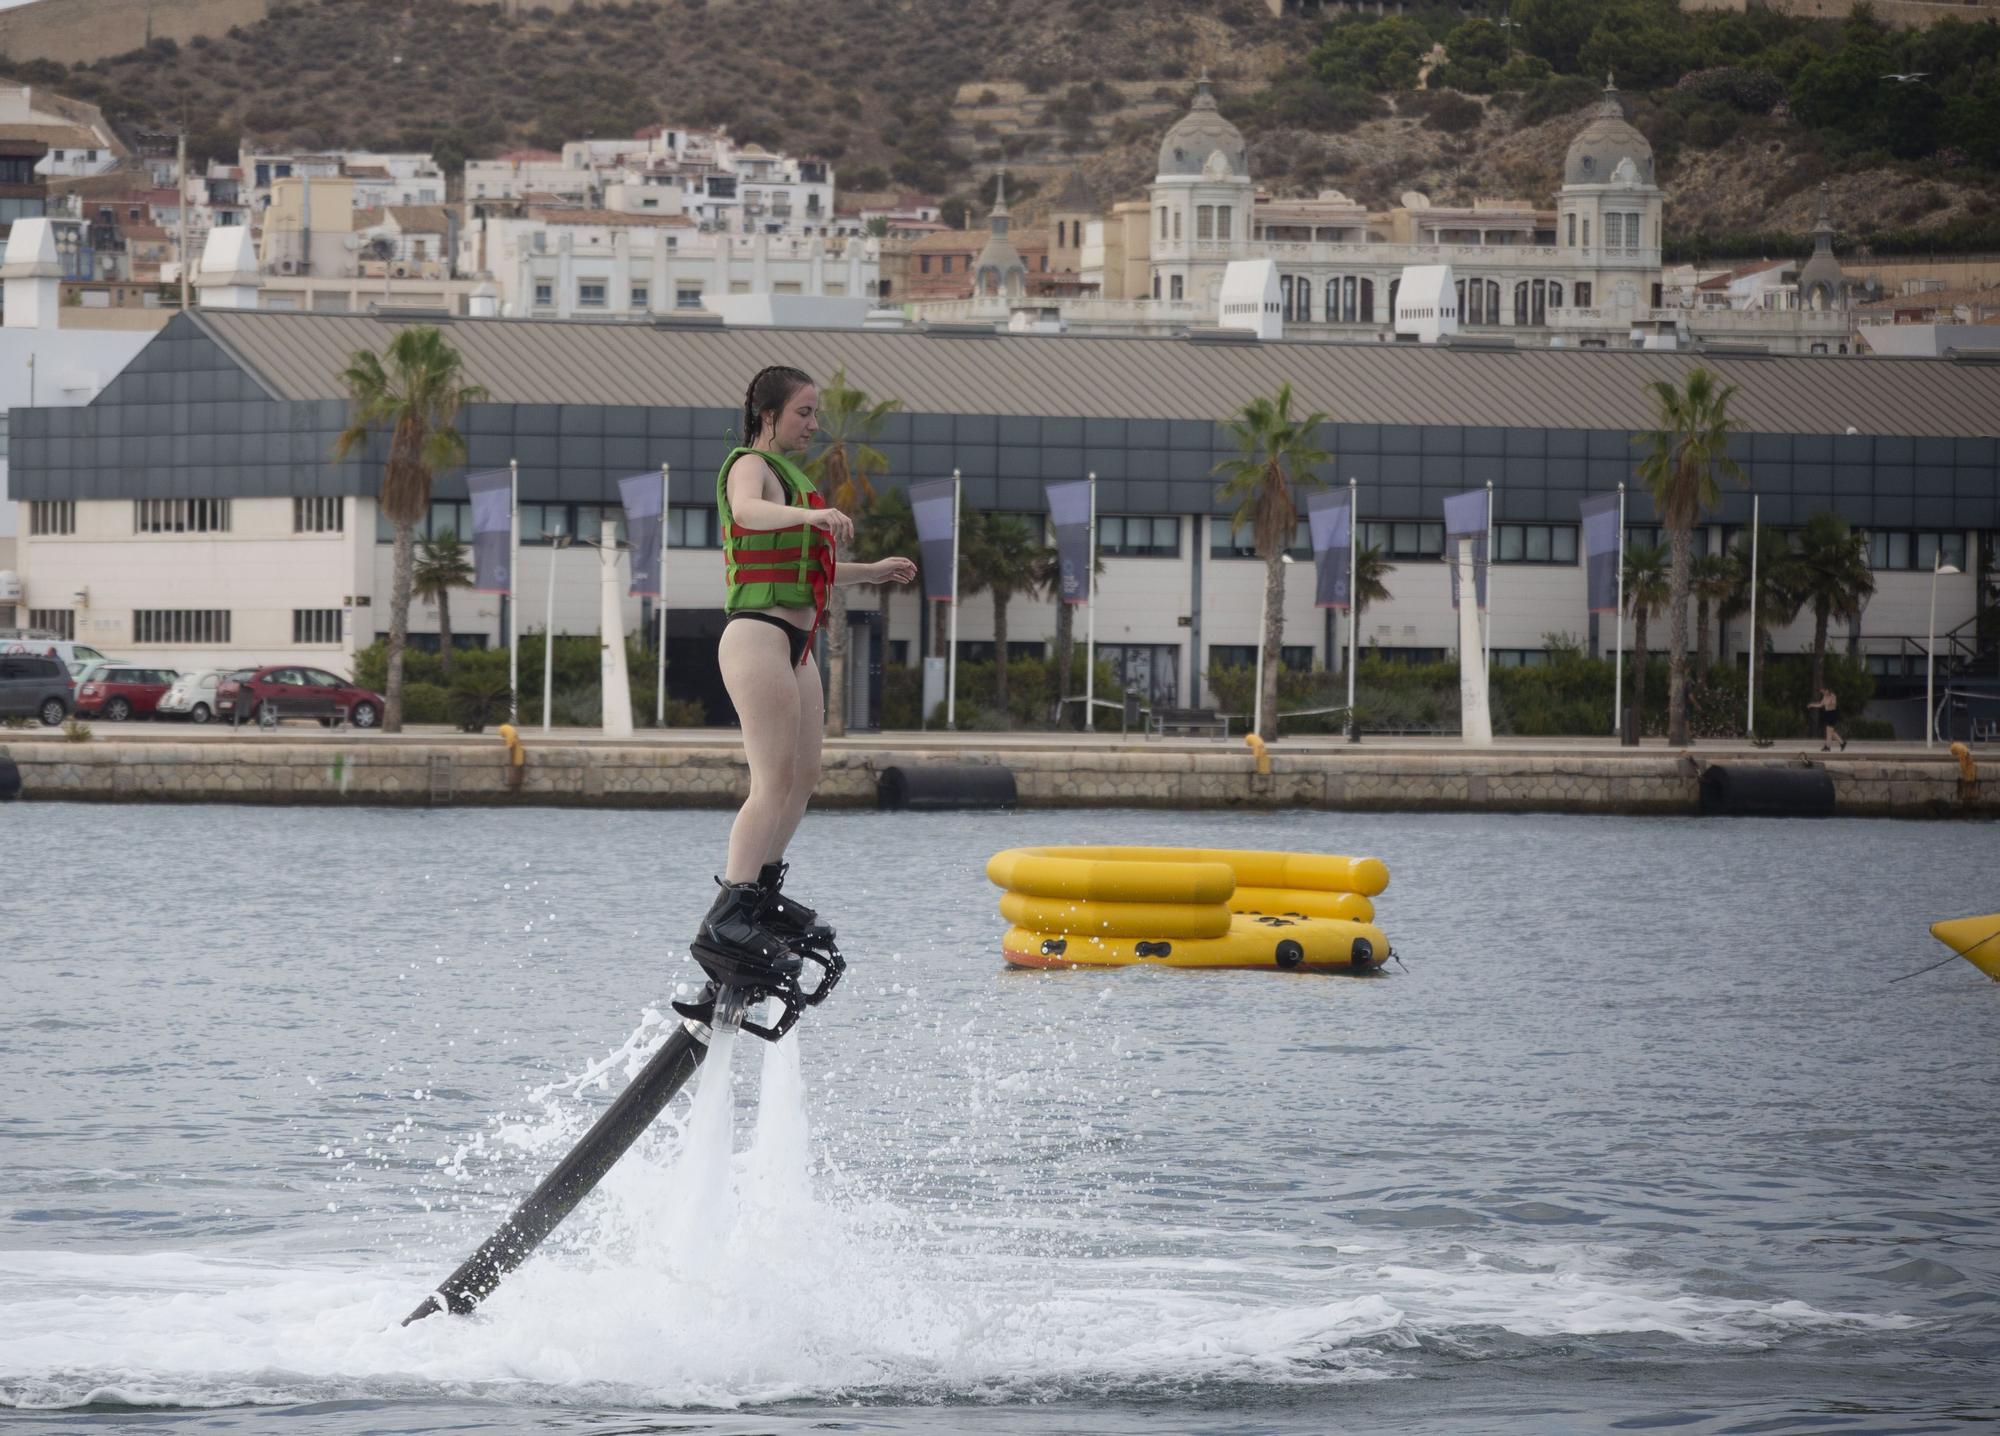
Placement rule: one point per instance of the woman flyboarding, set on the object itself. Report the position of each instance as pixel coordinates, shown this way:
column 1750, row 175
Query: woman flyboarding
column 778, row 543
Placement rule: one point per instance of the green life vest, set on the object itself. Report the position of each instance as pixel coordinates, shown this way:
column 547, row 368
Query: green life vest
column 774, row 568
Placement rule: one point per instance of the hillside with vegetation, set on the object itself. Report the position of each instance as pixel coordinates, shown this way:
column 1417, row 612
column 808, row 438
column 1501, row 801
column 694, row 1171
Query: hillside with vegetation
column 1748, row 113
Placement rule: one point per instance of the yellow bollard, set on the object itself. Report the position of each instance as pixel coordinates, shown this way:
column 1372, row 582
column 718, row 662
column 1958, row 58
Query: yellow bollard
column 1967, row 769
column 517, row 756
column 1256, row 746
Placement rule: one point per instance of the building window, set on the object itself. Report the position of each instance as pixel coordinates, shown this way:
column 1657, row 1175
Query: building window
column 1124, row 536
column 685, row 298
column 1917, row 550
column 1156, row 286
column 1534, row 543
column 315, row 625
column 180, row 625
column 1569, row 227
column 1222, row 223
column 697, row 527
column 1583, row 294
column 545, row 293
column 1226, row 541
column 1174, row 287
column 1163, row 221
column 1656, row 536
column 1151, row 670
column 1204, row 221
column 923, row 264
column 444, row 517
column 590, row 294
column 180, row 516
column 642, row 296
column 1478, row 300
column 1520, row 658
column 1404, row 540
column 52, row 516
column 319, row 516
column 1177, row 224
column 59, row 621
column 1244, row 655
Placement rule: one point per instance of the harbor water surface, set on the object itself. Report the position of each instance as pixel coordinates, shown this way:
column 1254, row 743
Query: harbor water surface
column 1640, row 1133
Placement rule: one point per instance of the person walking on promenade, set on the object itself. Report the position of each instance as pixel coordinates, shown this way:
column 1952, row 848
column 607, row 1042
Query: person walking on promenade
column 1829, row 707
column 779, row 538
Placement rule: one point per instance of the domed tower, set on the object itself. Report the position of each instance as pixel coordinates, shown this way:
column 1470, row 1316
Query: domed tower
column 1609, row 212
column 999, row 269
column 1202, row 199
column 1822, row 282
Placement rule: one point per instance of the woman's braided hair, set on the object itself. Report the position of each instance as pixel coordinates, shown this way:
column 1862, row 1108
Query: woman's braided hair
column 770, row 390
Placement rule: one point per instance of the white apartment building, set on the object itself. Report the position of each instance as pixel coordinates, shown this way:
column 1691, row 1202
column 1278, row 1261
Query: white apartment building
column 374, row 179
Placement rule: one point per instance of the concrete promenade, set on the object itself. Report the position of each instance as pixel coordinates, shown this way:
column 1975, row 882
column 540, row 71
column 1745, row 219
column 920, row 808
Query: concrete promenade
column 704, row 768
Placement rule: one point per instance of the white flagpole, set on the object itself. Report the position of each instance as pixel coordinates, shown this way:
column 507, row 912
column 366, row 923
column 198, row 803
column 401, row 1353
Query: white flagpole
column 1090, row 621
column 513, row 600
column 1491, row 554
column 660, row 685
column 1353, row 591
column 951, row 639
column 1751, row 721
column 1618, row 639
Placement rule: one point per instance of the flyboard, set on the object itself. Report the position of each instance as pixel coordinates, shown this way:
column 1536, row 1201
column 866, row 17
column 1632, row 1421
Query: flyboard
column 722, row 1006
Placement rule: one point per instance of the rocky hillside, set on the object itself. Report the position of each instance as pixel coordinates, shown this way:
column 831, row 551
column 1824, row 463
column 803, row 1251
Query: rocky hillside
column 933, row 94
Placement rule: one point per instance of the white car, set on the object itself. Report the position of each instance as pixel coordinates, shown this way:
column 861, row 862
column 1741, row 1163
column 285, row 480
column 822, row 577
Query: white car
column 193, row 695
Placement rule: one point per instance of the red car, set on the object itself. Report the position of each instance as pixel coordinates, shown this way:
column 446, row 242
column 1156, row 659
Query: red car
column 295, row 691
column 121, row 693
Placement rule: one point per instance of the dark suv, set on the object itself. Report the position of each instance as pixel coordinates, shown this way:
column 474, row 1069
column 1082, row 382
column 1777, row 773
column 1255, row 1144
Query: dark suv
column 38, row 687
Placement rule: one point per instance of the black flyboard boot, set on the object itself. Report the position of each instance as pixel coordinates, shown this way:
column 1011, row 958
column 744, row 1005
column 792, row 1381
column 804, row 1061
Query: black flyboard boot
column 737, row 949
column 787, row 917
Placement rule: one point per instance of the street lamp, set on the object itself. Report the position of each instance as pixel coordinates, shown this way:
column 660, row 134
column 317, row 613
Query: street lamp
column 558, row 541
column 1263, row 623
column 1938, row 568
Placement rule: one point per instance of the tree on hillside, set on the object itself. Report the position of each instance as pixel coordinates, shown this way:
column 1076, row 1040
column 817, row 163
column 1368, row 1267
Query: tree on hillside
column 1275, row 461
column 1683, row 456
column 416, row 396
column 444, row 564
column 1372, row 55
column 1647, row 590
column 848, row 423
column 1833, row 579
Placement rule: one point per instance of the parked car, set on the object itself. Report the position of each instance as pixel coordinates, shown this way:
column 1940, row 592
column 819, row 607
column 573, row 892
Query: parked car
column 82, row 670
column 70, row 653
column 120, row 693
column 295, row 691
column 226, row 692
column 192, row 695
column 34, row 686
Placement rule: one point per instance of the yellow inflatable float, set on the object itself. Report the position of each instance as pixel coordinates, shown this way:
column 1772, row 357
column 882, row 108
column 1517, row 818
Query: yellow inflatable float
column 1976, row 939
column 1190, row 907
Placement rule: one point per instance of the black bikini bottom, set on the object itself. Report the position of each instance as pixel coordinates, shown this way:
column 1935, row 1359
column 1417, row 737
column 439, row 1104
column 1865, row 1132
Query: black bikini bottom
column 799, row 638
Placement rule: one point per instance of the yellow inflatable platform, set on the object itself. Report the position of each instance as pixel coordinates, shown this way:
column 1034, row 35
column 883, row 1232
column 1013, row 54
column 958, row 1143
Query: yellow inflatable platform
column 1190, row 907
column 1976, row 939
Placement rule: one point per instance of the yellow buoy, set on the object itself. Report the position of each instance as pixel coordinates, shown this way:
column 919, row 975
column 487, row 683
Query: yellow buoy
column 1189, row 907
column 1976, row 939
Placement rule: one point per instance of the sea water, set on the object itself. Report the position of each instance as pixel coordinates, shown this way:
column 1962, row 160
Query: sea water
column 1640, row 1132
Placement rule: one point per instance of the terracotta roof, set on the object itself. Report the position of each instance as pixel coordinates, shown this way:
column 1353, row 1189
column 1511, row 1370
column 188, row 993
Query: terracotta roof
column 56, row 137
column 421, row 218
column 368, row 172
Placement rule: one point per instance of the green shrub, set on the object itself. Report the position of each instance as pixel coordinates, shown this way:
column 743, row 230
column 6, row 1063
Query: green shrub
column 425, row 703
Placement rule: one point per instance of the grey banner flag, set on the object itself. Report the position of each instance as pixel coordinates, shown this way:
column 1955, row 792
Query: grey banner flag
column 1330, row 515
column 492, row 530
column 1600, row 551
column 646, row 531
column 1069, row 506
column 934, row 504
column 1466, row 516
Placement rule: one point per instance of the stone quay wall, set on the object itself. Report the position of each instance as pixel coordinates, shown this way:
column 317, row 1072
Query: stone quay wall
column 416, row 773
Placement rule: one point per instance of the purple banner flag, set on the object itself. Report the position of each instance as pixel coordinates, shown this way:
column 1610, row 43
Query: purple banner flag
column 1330, row 515
column 1600, row 551
column 646, row 531
column 934, row 505
column 1069, row 506
column 492, row 530
column 1466, row 516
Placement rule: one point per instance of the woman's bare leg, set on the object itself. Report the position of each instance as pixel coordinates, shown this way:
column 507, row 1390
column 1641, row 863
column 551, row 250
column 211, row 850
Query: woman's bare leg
column 805, row 758
column 756, row 662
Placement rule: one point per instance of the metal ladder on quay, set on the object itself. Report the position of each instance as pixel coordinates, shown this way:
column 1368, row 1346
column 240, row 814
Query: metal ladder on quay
column 443, row 784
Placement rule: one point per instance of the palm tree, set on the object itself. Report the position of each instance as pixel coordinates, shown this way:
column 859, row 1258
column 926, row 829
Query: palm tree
column 416, row 397
column 1370, row 568
column 1778, row 598
column 848, row 423
column 1682, row 458
column 1712, row 581
column 1048, row 571
column 1275, row 462
column 886, row 529
column 1008, row 560
column 441, row 567
column 1831, row 565
column 1648, row 590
